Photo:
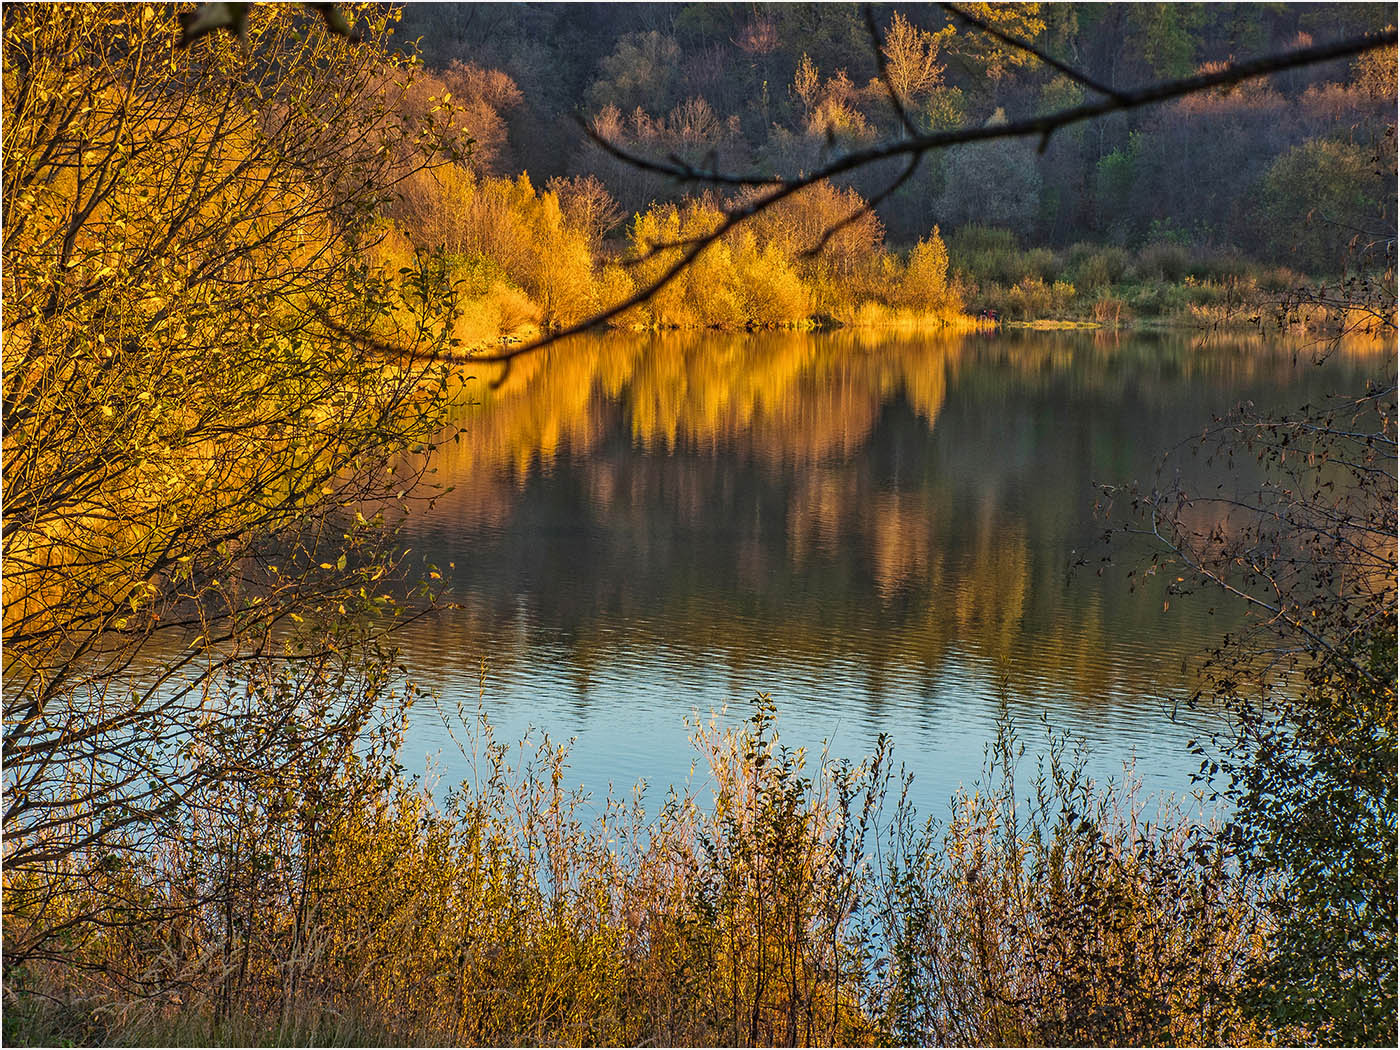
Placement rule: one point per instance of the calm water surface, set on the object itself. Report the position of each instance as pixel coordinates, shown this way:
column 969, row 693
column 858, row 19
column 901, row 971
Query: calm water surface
column 873, row 529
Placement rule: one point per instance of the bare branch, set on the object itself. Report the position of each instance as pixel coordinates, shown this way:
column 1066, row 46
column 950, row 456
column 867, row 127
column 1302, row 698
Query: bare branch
column 1021, row 45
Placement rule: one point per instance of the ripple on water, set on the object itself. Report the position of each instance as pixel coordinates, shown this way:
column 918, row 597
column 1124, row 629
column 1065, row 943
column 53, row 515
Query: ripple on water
column 878, row 538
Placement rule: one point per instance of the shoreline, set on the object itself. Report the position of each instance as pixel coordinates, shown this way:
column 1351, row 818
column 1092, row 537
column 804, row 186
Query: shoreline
column 941, row 325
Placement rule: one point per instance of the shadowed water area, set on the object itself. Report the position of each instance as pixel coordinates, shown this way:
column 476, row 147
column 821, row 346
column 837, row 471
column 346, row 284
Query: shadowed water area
column 876, row 529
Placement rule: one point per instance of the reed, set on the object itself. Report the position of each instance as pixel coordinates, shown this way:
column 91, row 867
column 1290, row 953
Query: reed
column 797, row 900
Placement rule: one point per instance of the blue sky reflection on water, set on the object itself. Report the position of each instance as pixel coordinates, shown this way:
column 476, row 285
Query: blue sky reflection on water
column 873, row 530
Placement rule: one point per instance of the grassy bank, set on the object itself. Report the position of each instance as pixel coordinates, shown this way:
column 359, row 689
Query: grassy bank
column 1159, row 283
column 792, row 901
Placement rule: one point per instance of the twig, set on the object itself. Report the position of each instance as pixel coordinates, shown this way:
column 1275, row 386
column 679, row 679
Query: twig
column 1030, row 49
column 915, row 146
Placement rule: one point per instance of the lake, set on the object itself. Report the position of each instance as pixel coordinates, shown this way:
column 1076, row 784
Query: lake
column 876, row 529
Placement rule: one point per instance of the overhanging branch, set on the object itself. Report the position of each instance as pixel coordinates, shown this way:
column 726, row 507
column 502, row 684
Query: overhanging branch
column 914, row 146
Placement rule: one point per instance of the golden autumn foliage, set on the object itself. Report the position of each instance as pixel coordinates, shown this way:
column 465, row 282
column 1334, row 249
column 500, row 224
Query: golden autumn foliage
column 797, row 902
column 190, row 414
column 209, row 836
column 783, row 270
column 523, row 259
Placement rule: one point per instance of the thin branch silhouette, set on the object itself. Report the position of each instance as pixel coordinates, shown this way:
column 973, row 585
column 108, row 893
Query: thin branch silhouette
column 915, row 146
column 1021, row 45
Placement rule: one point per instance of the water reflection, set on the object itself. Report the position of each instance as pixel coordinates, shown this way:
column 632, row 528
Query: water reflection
column 875, row 529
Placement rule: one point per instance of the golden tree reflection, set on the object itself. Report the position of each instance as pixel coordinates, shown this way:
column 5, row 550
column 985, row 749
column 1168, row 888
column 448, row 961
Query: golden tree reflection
column 884, row 499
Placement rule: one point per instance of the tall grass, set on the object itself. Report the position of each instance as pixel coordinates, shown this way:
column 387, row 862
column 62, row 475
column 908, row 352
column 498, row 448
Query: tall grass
column 1108, row 284
column 1073, row 914
column 794, row 900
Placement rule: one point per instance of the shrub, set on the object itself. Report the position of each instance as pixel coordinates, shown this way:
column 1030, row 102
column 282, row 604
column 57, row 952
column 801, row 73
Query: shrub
column 800, row 904
column 1316, row 196
column 1279, row 279
column 1030, row 299
column 502, row 232
column 798, row 224
column 769, row 290
column 768, row 273
column 1040, row 262
column 615, row 285
column 558, row 271
column 1309, row 766
column 924, row 283
column 659, row 225
column 1097, row 268
column 981, row 252
column 1111, row 311
column 1163, row 261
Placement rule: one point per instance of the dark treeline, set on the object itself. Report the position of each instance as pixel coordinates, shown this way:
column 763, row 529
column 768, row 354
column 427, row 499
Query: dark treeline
column 779, row 87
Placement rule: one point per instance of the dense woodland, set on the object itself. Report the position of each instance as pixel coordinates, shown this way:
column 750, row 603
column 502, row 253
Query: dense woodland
column 235, row 268
column 1286, row 171
column 765, row 85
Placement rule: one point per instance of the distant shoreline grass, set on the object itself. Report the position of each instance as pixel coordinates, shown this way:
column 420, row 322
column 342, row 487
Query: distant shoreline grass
column 1161, row 283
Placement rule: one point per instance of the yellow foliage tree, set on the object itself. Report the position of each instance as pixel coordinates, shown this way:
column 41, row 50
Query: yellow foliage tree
column 192, row 420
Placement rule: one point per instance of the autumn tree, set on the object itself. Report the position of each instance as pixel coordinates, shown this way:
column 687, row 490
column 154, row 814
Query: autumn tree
column 640, row 72
column 1318, row 197
column 587, row 205
column 989, row 57
column 911, row 58
column 200, row 445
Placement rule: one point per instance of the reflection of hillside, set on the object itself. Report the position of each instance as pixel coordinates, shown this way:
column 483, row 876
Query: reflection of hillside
column 783, row 397
column 800, row 398
column 746, row 500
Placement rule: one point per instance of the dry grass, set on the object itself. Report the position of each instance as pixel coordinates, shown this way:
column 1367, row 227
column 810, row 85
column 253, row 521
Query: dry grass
column 800, row 901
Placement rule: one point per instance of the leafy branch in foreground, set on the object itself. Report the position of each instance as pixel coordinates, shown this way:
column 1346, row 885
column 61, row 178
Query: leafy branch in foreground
column 1309, row 770
column 197, row 459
